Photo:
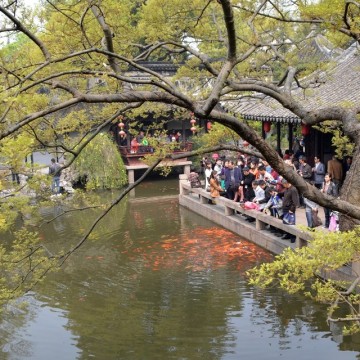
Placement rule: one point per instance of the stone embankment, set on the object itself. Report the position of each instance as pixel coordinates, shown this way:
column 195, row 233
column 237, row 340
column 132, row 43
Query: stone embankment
column 22, row 188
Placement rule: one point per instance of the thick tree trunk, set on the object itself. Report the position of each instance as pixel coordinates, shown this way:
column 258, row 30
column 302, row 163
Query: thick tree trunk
column 350, row 192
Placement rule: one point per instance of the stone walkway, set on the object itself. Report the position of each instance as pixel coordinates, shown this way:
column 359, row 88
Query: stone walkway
column 301, row 217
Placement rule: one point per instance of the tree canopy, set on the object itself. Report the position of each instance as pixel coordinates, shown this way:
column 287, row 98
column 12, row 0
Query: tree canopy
column 65, row 70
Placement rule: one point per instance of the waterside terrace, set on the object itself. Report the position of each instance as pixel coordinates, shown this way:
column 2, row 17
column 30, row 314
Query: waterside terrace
column 230, row 215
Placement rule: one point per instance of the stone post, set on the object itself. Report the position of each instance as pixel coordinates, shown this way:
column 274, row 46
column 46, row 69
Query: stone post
column 183, row 179
column 131, row 176
column 186, row 170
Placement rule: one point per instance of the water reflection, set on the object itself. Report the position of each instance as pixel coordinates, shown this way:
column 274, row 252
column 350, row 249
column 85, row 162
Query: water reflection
column 159, row 282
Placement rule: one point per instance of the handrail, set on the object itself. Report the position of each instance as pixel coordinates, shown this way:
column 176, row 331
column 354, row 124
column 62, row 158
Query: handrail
column 142, row 150
column 230, row 208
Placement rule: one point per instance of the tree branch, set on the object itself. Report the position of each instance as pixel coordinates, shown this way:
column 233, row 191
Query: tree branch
column 20, row 27
column 64, row 257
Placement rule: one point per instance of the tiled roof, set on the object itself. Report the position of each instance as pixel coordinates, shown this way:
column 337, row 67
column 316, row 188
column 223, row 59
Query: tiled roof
column 160, row 66
column 338, row 86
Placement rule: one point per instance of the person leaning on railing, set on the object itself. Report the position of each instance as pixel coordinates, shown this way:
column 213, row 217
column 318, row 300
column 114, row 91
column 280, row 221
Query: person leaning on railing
column 290, row 203
column 215, row 188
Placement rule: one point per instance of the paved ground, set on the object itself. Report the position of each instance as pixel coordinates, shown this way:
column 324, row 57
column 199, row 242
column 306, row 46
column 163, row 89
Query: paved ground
column 301, row 217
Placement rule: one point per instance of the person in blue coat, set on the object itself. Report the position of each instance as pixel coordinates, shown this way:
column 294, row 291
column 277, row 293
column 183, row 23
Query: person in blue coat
column 233, row 177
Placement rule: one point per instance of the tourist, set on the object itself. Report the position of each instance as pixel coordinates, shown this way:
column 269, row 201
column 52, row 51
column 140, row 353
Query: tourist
column 203, row 162
column 194, row 179
column 298, row 146
column 249, row 204
column 290, row 203
column 140, row 137
column 329, row 188
column 134, row 146
column 55, row 172
column 240, row 161
column 274, row 206
column 172, row 137
column 254, row 168
column 264, row 175
column 233, row 177
column 262, row 196
column 286, row 155
column 305, row 170
column 178, row 136
column 335, row 170
column 319, row 172
column 15, row 176
column 207, row 173
column 218, row 166
column 310, row 206
column 245, row 191
column 215, row 188
column 123, row 139
column 263, row 184
column 144, row 141
column 259, row 192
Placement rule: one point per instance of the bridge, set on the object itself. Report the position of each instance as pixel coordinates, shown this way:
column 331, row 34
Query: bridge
column 134, row 160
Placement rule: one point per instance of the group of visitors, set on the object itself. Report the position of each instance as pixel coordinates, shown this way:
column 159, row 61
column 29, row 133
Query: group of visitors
column 256, row 185
column 140, row 143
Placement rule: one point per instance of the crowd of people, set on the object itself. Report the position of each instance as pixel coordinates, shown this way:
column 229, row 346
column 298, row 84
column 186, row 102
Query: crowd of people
column 256, row 185
column 141, row 142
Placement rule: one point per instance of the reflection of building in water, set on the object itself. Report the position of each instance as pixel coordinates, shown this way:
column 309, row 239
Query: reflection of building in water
column 58, row 222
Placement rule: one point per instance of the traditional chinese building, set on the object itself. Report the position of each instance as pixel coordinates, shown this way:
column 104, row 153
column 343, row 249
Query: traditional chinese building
column 338, row 85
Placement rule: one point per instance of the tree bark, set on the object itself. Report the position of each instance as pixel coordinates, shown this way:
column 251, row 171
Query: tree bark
column 350, row 192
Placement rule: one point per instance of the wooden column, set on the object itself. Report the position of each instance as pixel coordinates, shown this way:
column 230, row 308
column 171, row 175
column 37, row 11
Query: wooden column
column 263, row 134
column 278, row 138
column 290, row 135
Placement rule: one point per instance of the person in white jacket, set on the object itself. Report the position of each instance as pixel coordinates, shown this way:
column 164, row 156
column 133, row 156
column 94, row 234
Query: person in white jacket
column 208, row 170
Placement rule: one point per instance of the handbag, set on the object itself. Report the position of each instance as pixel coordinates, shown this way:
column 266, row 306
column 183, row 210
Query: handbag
column 289, row 219
column 316, row 221
column 333, row 226
column 249, row 205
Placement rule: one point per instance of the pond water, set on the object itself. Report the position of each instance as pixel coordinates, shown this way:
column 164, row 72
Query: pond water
column 157, row 281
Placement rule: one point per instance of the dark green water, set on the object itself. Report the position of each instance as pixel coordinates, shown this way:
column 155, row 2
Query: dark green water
column 159, row 282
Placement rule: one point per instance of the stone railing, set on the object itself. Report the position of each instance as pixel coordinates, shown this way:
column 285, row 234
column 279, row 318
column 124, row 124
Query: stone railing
column 230, row 208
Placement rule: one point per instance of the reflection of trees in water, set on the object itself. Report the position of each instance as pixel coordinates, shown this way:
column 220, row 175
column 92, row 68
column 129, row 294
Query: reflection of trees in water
column 292, row 315
column 165, row 284
column 12, row 343
column 66, row 230
column 118, row 298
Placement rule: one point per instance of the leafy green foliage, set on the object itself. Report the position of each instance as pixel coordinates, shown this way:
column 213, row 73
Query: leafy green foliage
column 22, row 265
column 302, row 270
column 101, row 164
column 341, row 143
column 47, row 94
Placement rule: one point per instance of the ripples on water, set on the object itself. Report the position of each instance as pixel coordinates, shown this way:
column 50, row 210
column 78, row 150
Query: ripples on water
column 160, row 282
